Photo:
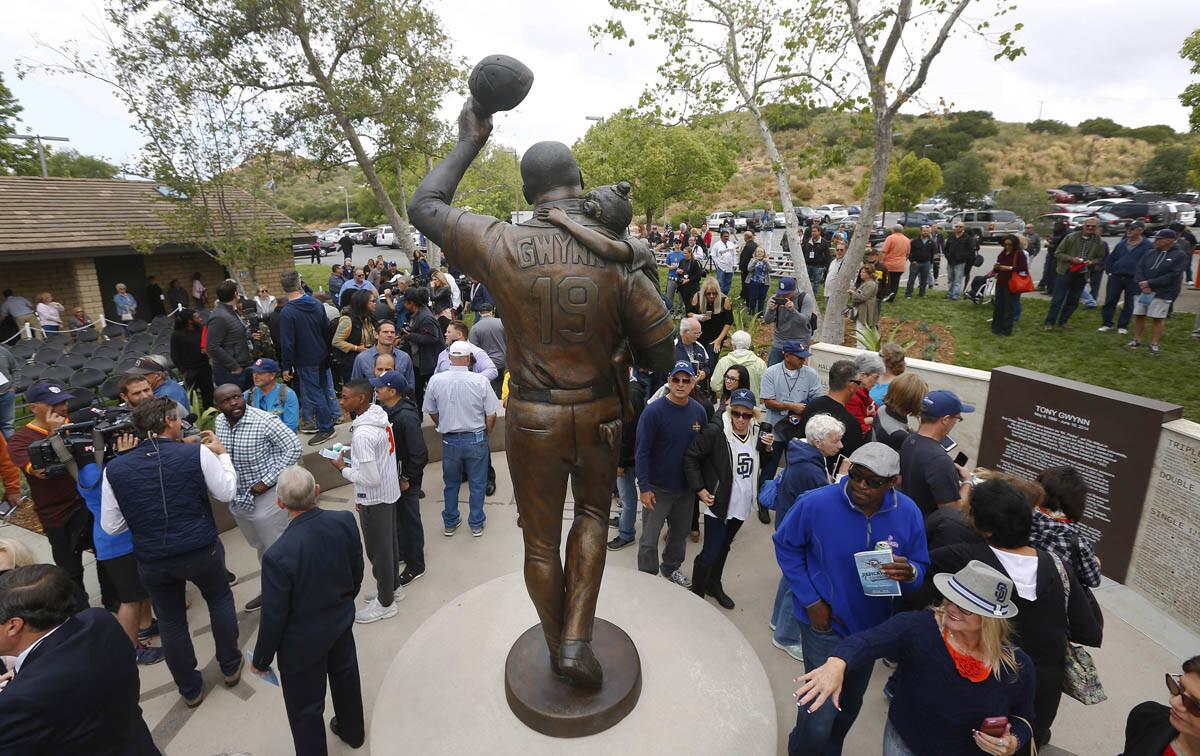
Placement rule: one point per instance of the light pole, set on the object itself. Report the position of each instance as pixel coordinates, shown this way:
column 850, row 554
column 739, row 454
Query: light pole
column 346, row 197
column 38, row 139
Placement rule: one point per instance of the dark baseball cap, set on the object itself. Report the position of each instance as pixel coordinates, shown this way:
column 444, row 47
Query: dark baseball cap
column 743, row 398
column 264, row 365
column 942, row 403
column 787, row 285
column 147, row 364
column 796, row 347
column 683, row 366
column 1137, row 224
column 392, row 379
column 1166, row 233
column 45, row 392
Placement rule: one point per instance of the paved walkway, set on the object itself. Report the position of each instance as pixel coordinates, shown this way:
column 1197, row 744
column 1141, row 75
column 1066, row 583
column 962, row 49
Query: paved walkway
column 1141, row 643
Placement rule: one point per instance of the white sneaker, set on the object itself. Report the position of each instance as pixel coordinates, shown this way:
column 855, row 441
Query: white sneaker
column 1122, row 331
column 1104, row 329
column 796, row 651
column 374, row 611
column 399, row 595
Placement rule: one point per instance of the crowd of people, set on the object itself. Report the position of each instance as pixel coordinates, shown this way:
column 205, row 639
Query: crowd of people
column 992, row 580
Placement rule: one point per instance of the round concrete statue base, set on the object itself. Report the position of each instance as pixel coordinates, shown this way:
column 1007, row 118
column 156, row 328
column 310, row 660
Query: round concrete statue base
column 551, row 705
column 703, row 691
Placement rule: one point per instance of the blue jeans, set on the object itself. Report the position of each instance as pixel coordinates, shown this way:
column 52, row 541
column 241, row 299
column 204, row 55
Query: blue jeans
column 725, row 279
column 464, row 457
column 919, row 271
column 669, row 297
column 824, row 731
column 316, row 396
column 1067, row 289
column 8, row 409
column 783, row 616
column 165, row 580
column 1119, row 286
column 816, row 274
column 774, row 356
column 957, row 273
column 892, row 744
column 627, row 487
column 756, row 297
column 1016, row 308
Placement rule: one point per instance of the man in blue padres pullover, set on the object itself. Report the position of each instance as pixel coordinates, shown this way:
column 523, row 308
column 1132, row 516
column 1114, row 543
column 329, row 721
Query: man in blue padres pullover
column 815, row 547
column 1121, row 266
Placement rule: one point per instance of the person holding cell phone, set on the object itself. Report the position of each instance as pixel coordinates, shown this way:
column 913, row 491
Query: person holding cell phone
column 962, row 685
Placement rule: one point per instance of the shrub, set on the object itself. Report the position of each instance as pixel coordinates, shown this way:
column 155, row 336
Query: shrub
column 1102, row 127
column 1048, row 126
column 1156, row 134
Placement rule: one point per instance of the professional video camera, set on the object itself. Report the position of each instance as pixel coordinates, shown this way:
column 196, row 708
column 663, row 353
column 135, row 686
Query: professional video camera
column 81, row 440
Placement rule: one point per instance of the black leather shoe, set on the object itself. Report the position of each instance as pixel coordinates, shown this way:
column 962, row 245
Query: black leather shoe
column 579, row 665
column 764, row 515
column 333, row 727
column 716, row 591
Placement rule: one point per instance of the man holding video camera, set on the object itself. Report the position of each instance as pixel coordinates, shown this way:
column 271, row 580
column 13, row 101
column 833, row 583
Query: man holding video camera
column 56, row 502
column 174, row 536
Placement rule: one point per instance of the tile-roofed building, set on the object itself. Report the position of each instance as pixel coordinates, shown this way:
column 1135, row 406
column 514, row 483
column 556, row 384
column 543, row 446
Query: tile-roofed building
column 71, row 237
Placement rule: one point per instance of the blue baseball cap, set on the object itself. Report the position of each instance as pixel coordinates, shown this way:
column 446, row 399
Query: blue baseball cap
column 796, row 347
column 1166, row 233
column 392, row 379
column 683, row 366
column 45, row 392
column 264, row 365
column 942, row 403
column 787, row 285
column 743, row 398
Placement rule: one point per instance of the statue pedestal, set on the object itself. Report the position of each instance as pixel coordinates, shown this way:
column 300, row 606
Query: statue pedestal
column 703, row 689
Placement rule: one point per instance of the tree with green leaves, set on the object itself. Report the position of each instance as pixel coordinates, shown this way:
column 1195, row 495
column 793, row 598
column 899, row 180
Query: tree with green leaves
column 662, row 164
column 744, row 55
column 1029, row 202
column 1167, row 169
column 71, row 164
column 1194, row 168
column 15, row 156
column 1048, row 126
column 1190, row 96
column 967, row 181
column 909, row 180
column 342, row 81
column 940, row 144
column 1101, row 127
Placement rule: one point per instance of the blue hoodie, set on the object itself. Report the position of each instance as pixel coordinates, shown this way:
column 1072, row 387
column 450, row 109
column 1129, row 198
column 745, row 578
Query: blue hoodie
column 805, row 471
column 816, row 544
column 1124, row 258
column 303, row 334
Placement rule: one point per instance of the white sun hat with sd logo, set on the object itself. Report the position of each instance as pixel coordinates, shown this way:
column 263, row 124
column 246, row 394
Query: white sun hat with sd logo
column 979, row 589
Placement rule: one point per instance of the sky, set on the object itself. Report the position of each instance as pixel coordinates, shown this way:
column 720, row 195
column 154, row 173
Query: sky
column 1084, row 58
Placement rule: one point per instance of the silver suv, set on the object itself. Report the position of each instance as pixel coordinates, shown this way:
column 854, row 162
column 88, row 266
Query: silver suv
column 989, row 225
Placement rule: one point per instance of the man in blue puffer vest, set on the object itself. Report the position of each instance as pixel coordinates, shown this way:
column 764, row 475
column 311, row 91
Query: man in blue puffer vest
column 174, row 536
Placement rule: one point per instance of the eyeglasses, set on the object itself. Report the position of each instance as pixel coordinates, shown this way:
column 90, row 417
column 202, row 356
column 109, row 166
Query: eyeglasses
column 729, row 378
column 741, row 415
column 1190, row 702
column 682, row 379
column 873, row 482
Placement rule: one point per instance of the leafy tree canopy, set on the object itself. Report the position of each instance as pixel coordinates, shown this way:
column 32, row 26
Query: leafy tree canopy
column 1102, row 127
column 1048, row 126
column 1190, row 97
column 967, row 181
column 909, row 180
column 1167, row 170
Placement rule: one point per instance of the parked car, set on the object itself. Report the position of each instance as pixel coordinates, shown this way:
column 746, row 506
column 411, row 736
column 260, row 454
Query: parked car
column 1082, row 192
column 304, row 248
column 330, row 238
column 933, row 203
column 1156, row 215
column 748, row 220
column 914, row 219
column 1185, row 213
column 990, row 225
column 832, row 212
column 1110, row 225
column 780, row 220
column 385, row 237
column 1097, row 205
column 718, row 219
column 1046, row 222
column 1058, row 196
column 367, row 236
column 1126, row 190
column 806, row 215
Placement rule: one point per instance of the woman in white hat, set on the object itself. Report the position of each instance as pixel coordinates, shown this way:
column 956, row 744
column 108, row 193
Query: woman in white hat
column 962, row 687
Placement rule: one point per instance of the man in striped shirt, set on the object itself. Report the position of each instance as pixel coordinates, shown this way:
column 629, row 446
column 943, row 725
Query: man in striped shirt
column 373, row 472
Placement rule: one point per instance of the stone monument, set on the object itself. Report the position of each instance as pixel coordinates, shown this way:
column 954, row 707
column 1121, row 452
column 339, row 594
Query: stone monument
column 577, row 313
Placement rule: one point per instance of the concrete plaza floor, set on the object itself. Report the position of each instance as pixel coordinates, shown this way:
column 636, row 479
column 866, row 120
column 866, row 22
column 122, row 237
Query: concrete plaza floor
column 1141, row 643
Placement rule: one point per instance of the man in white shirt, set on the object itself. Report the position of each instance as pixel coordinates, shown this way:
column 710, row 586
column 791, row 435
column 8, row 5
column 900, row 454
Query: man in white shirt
column 481, row 361
column 724, row 255
column 373, row 471
column 463, row 406
column 159, row 490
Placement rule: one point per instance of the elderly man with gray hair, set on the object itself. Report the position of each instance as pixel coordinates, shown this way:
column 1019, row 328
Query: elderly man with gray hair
column 741, row 355
column 689, row 349
column 310, row 576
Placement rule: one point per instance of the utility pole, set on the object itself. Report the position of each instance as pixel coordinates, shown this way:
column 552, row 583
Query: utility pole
column 1040, row 104
column 38, row 139
column 346, row 198
column 517, row 182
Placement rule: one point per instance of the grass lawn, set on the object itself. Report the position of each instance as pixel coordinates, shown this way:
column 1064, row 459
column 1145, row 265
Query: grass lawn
column 1080, row 352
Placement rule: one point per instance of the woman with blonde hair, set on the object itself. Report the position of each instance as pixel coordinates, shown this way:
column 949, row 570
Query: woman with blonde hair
column 714, row 310
column 863, row 298
column 727, row 489
column 958, row 668
column 49, row 313
column 902, row 401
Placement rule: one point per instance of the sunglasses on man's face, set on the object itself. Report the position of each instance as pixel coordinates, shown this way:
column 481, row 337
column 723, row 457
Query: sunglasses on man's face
column 681, row 379
column 741, row 415
column 1190, row 702
column 873, row 482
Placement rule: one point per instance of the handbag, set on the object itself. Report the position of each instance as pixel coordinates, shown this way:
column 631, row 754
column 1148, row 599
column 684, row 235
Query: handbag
column 1019, row 283
column 1081, row 681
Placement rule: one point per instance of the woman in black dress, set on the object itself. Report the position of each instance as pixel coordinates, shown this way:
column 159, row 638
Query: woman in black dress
column 189, row 358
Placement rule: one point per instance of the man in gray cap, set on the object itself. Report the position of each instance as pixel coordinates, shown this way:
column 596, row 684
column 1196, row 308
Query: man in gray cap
column 1159, row 277
column 815, row 547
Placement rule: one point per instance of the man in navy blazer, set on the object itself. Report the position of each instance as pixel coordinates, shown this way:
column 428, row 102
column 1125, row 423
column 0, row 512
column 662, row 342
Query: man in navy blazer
column 74, row 688
column 310, row 578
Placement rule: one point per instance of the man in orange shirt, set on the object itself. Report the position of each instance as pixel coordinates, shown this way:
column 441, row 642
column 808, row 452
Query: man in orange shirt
column 895, row 257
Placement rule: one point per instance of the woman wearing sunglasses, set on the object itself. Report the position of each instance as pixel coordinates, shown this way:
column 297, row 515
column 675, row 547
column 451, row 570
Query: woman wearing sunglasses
column 1173, row 730
column 962, row 686
column 264, row 302
column 721, row 465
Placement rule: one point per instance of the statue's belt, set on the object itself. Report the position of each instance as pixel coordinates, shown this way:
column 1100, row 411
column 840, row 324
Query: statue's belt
column 562, row 396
